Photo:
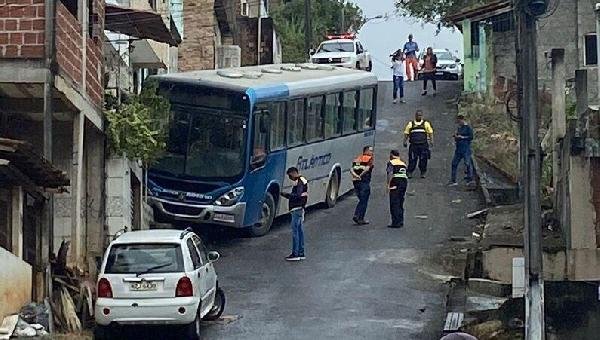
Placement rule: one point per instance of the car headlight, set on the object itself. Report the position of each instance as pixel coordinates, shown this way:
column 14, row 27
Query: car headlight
column 346, row 59
column 452, row 66
column 231, row 197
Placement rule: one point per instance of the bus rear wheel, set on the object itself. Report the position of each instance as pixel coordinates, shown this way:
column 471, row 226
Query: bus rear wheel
column 267, row 215
column 333, row 190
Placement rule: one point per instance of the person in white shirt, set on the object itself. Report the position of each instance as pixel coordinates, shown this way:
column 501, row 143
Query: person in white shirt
column 399, row 70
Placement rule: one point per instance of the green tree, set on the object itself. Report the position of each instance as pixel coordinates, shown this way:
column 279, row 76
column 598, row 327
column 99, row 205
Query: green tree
column 326, row 19
column 138, row 127
column 433, row 11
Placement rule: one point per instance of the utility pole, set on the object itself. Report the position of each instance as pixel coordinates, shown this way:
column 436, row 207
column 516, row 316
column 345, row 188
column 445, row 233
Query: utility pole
column 343, row 21
column 534, row 294
column 598, row 48
column 258, row 46
column 307, row 27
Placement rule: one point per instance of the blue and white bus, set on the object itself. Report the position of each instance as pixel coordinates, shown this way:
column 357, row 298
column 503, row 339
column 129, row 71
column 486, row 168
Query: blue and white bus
column 234, row 133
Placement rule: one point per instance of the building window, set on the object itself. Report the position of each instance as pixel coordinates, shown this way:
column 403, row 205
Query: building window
column 244, row 7
column 71, row 6
column 591, row 52
column 475, row 39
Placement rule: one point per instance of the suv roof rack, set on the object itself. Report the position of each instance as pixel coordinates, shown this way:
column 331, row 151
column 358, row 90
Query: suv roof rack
column 185, row 232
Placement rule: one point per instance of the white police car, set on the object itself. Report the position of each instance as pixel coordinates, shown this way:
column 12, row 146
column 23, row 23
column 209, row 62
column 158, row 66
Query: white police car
column 157, row 277
column 343, row 50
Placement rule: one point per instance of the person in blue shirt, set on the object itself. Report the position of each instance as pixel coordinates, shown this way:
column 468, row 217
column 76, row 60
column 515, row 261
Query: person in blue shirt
column 412, row 62
column 463, row 138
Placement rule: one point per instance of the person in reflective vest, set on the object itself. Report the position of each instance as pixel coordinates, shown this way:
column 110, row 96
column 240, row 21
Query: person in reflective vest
column 397, row 183
column 362, row 168
column 420, row 135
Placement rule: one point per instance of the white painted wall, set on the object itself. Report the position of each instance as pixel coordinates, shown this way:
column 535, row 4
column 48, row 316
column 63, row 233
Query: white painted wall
column 15, row 283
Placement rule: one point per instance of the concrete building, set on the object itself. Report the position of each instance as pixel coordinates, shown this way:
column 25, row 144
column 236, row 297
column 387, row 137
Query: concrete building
column 142, row 38
column 490, row 49
column 77, row 135
column 224, row 33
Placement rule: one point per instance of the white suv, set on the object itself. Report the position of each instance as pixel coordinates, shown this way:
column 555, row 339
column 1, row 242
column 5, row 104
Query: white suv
column 157, row 277
column 344, row 51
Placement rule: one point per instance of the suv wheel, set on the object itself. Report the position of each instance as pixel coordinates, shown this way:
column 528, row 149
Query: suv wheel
column 218, row 307
column 192, row 331
column 267, row 215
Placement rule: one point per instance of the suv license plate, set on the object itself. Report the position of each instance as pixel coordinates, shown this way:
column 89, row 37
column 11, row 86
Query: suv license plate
column 439, row 73
column 143, row 286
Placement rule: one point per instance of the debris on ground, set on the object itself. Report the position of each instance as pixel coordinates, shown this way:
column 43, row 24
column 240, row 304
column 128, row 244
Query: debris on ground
column 478, row 213
column 458, row 200
column 421, row 217
column 8, row 326
column 72, row 295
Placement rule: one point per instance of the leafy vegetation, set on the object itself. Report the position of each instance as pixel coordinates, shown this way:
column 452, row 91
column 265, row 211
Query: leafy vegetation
column 433, row 11
column 137, row 128
column 326, row 19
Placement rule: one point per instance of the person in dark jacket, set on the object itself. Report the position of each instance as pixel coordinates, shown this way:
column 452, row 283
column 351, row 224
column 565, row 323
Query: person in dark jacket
column 362, row 168
column 397, row 183
column 463, row 138
column 297, row 200
column 420, row 135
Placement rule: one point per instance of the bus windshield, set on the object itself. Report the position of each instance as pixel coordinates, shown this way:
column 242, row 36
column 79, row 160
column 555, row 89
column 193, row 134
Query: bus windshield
column 204, row 144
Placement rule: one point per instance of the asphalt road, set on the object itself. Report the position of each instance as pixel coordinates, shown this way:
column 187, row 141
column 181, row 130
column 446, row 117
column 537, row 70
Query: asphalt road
column 367, row 282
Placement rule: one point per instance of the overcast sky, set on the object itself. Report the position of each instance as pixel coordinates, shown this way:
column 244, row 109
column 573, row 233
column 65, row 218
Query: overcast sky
column 384, row 37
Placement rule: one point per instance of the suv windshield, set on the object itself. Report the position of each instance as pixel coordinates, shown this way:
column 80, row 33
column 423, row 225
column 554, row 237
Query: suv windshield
column 444, row 56
column 144, row 258
column 204, row 144
column 337, row 47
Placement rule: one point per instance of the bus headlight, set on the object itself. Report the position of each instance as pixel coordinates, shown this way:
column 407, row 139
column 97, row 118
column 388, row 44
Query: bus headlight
column 231, row 197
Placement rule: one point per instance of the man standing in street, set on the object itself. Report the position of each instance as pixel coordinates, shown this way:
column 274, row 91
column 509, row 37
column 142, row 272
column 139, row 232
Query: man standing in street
column 429, row 67
column 361, row 170
column 463, row 138
column 397, row 183
column 420, row 135
column 298, row 198
column 412, row 62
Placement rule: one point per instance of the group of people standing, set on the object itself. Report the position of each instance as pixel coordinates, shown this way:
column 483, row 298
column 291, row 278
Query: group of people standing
column 418, row 137
column 405, row 67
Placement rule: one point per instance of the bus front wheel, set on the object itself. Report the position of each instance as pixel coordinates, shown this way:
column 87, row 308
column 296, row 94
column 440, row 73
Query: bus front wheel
column 267, row 215
column 333, row 190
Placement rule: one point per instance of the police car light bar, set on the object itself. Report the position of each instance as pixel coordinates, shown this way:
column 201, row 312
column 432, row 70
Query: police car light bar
column 342, row 36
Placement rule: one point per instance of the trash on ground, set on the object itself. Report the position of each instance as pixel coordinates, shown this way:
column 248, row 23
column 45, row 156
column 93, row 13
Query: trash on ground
column 8, row 326
column 476, row 235
column 457, row 200
column 477, row 213
column 421, row 217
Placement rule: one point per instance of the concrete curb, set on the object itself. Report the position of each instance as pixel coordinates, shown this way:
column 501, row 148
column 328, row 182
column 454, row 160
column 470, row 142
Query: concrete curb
column 482, row 186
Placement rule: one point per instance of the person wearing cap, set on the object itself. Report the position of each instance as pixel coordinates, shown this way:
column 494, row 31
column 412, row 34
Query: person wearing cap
column 412, row 61
column 397, row 183
column 462, row 138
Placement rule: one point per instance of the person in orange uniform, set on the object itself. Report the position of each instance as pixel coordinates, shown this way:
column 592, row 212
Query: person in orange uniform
column 361, row 171
column 397, row 183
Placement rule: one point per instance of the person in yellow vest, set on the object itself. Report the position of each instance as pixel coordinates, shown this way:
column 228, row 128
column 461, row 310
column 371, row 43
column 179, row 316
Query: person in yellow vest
column 362, row 168
column 420, row 135
column 397, row 183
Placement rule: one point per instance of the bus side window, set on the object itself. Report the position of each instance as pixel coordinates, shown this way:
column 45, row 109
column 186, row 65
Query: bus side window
column 295, row 123
column 314, row 119
column 349, row 111
column 365, row 110
column 259, row 145
column 277, row 139
column 332, row 116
